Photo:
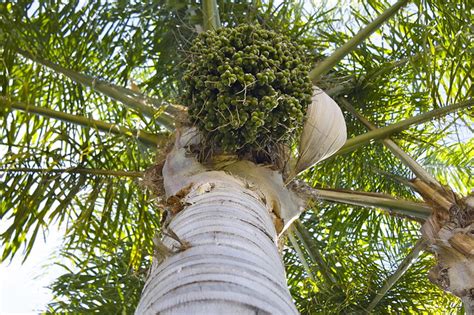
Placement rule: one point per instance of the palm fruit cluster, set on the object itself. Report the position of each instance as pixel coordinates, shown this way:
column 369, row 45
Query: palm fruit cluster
column 246, row 88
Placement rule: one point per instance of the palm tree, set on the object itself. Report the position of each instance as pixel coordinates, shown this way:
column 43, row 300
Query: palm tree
column 83, row 150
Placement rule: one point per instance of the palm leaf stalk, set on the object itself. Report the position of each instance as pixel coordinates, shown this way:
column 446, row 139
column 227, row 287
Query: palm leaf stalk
column 211, row 15
column 397, row 64
column 402, row 268
column 131, row 99
column 385, row 132
column 407, row 160
column 299, row 252
column 376, row 200
column 443, row 202
column 350, row 84
column 366, row 199
column 310, row 245
column 74, row 170
column 327, row 64
column 143, row 136
column 399, row 179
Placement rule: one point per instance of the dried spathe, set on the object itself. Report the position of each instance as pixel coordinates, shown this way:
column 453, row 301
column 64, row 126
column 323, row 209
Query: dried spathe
column 324, row 132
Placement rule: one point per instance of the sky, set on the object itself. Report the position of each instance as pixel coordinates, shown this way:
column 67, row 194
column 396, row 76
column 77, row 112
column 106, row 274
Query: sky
column 23, row 286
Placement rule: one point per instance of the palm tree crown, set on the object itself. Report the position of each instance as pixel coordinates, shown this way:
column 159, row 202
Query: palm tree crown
column 76, row 138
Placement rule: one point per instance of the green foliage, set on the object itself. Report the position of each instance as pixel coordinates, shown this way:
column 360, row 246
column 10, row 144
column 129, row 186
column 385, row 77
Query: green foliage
column 247, row 88
column 95, row 207
column 362, row 248
column 107, row 284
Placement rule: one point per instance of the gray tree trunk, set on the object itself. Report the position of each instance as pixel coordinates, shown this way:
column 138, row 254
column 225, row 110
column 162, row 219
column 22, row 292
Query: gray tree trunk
column 226, row 259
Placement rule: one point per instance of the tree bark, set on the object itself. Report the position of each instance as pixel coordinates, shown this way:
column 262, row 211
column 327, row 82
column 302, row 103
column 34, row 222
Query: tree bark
column 223, row 256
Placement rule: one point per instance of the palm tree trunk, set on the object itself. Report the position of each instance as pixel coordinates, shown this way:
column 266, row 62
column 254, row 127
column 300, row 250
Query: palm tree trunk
column 232, row 264
column 222, row 254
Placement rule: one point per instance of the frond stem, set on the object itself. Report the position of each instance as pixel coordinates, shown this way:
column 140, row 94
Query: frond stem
column 211, row 15
column 402, row 268
column 414, row 210
column 129, row 98
column 385, row 132
column 396, row 64
column 327, row 64
column 407, row 160
column 300, row 231
column 73, row 170
column 299, row 252
column 145, row 137
column 363, row 81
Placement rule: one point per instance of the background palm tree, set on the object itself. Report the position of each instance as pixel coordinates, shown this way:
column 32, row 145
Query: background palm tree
column 65, row 69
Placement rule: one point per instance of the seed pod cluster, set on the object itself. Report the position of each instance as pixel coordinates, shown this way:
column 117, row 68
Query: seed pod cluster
column 246, row 88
